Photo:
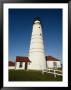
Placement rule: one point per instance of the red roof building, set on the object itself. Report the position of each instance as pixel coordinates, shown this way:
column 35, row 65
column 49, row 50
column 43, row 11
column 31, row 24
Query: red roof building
column 50, row 58
column 11, row 63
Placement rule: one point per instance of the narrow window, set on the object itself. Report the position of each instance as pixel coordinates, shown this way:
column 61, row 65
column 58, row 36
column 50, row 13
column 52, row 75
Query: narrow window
column 40, row 34
column 20, row 64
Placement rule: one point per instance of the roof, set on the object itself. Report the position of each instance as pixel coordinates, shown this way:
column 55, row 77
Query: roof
column 11, row 63
column 51, row 58
column 22, row 59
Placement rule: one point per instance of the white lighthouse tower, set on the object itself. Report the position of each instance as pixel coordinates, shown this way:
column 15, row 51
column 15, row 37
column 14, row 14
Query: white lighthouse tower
column 36, row 52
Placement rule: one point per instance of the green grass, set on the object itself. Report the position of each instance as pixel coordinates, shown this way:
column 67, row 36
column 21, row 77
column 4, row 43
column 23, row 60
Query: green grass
column 59, row 69
column 21, row 75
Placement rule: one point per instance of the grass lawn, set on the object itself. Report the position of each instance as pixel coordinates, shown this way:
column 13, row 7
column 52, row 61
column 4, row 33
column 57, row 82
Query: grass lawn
column 21, row 75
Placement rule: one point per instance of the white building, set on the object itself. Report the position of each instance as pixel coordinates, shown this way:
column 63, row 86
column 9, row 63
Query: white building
column 36, row 52
column 22, row 63
column 11, row 65
column 52, row 62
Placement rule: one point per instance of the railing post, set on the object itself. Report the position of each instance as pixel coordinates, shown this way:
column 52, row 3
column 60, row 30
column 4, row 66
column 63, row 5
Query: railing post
column 54, row 73
column 42, row 72
column 46, row 70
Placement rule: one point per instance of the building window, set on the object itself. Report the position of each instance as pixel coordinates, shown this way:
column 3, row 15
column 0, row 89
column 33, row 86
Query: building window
column 29, row 63
column 40, row 34
column 20, row 64
column 55, row 65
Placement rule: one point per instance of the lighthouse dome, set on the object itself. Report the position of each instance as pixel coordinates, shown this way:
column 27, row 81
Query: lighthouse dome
column 36, row 20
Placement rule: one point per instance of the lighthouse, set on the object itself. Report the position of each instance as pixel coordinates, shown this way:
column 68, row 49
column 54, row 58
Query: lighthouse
column 36, row 51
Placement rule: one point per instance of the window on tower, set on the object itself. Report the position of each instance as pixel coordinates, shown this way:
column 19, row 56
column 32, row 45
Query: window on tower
column 40, row 34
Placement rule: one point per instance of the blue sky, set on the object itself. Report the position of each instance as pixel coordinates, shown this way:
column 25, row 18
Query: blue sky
column 20, row 29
